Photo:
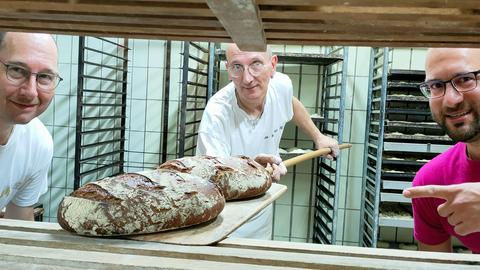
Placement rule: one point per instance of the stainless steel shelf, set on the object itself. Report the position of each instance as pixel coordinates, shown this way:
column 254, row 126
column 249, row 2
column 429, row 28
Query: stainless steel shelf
column 396, row 185
column 398, row 222
column 393, row 197
column 415, row 147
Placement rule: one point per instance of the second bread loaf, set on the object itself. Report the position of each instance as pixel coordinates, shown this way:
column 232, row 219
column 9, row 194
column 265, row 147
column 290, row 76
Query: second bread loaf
column 238, row 177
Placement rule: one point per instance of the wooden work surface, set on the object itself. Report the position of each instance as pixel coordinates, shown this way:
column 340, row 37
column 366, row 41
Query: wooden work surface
column 35, row 245
column 254, row 23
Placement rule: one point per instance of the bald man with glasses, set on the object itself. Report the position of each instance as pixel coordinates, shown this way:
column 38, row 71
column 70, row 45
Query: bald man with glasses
column 446, row 192
column 247, row 117
column 28, row 78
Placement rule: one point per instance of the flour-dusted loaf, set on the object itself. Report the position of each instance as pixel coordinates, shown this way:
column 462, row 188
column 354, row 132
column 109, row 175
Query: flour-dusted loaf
column 239, row 177
column 137, row 203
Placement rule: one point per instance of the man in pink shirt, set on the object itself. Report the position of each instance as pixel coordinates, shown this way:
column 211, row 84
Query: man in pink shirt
column 446, row 192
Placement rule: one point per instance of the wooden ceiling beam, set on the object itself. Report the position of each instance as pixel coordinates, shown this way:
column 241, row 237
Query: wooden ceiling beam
column 371, row 27
column 375, row 43
column 241, row 20
column 350, row 17
column 117, row 19
column 373, row 37
column 374, row 3
column 108, row 7
column 113, row 30
column 121, row 34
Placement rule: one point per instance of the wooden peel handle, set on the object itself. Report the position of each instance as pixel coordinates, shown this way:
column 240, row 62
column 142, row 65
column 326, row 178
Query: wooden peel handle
column 320, row 152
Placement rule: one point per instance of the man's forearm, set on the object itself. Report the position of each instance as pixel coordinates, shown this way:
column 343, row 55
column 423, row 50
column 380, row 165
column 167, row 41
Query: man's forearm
column 442, row 247
column 303, row 120
column 18, row 212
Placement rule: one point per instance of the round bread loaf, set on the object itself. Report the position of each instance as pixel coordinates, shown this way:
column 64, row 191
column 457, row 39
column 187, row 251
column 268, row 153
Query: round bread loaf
column 138, row 203
column 238, row 177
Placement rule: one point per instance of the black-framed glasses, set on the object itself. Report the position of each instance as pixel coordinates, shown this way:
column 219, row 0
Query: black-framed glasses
column 462, row 83
column 256, row 68
column 18, row 75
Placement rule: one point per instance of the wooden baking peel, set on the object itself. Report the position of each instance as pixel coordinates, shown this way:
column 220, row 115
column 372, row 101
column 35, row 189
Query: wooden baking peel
column 320, row 152
column 233, row 215
column 301, row 158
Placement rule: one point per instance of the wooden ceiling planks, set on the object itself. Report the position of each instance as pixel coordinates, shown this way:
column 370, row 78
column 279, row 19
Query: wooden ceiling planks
column 150, row 19
column 374, row 23
column 253, row 23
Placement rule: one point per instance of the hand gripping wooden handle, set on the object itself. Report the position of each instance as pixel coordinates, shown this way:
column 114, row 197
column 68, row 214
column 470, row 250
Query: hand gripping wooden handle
column 320, row 152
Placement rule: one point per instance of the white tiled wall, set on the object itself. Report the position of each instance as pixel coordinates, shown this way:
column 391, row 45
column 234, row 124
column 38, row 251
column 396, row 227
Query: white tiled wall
column 354, row 133
column 144, row 122
column 408, row 58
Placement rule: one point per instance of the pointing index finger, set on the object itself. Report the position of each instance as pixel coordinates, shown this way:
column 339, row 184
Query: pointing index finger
column 435, row 191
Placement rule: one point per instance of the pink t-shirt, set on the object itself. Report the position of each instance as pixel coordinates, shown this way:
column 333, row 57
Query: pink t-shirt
column 450, row 167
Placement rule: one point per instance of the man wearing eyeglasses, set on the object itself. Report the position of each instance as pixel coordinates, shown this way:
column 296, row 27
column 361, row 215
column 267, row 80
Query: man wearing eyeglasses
column 28, row 77
column 247, row 117
column 446, row 192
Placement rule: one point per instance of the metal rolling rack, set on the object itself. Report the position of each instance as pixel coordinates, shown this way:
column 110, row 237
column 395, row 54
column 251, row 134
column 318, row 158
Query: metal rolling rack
column 199, row 82
column 166, row 101
column 327, row 175
column 400, row 138
column 101, row 108
column 330, row 95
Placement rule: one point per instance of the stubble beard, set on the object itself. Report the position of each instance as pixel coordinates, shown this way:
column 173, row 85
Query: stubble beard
column 461, row 132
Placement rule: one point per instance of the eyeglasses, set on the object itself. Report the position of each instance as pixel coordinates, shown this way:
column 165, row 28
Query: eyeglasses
column 462, row 83
column 18, row 75
column 255, row 69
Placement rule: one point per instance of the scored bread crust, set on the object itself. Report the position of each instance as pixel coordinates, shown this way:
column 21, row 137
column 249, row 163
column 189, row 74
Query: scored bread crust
column 138, row 203
column 238, row 177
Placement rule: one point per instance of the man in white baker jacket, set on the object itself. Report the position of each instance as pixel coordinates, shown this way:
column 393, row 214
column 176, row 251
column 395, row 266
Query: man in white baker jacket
column 28, row 77
column 247, row 117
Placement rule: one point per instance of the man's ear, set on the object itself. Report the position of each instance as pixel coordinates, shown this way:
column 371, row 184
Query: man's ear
column 226, row 67
column 274, row 62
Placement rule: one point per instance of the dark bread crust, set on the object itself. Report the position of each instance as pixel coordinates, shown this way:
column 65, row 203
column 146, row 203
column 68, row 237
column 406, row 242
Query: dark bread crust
column 238, row 177
column 146, row 202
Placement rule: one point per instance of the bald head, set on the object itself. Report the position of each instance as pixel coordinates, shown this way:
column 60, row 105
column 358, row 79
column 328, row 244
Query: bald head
column 442, row 63
column 25, row 45
column 46, row 37
column 232, row 49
